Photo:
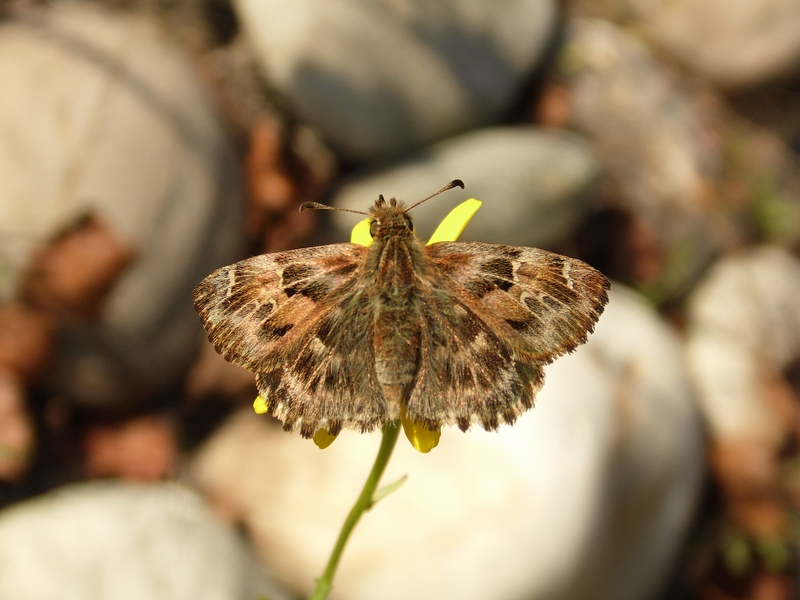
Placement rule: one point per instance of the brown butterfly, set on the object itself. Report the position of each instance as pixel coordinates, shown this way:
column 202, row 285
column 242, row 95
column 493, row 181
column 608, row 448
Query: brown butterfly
column 345, row 336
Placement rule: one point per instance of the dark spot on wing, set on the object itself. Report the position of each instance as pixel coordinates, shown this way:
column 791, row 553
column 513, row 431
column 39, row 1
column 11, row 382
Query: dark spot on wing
column 560, row 292
column 502, row 272
column 496, row 273
column 551, row 302
column 557, row 263
column 532, row 326
column 235, row 302
column 479, row 287
column 263, row 311
column 467, row 325
column 304, row 361
column 330, row 380
column 314, row 282
column 295, row 272
column 534, row 305
column 324, row 331
column 270, row 333
column 316, row 290
column 517, row 325
column 270, row 388
column 492, row 359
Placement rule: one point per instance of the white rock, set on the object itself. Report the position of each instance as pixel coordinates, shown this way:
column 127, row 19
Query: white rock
column 115, row 541
column 587, row 496
column 732, row 43
column 382, row 77
column 650, row 139
column 744, row 323
column 534, row 184
column 99, row 112
column 646, row 131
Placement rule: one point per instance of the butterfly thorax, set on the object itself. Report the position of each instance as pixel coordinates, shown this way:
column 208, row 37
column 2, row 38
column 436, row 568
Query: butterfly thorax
column 395, row 265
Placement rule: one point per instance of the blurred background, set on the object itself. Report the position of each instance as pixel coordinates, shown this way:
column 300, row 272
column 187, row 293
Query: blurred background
column 144, row 143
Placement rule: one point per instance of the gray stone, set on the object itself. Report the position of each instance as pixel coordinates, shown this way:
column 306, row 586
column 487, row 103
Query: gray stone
column 650, row 138
column 377, row 78
column 101, row 113
column 732, row 43
column 642, row 123
column 116, row 541
column 743, row 328
column 534, row 184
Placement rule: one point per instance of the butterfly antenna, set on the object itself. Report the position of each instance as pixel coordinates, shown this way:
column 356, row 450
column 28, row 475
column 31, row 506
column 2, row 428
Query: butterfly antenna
column 318, row 206
column 449, row 186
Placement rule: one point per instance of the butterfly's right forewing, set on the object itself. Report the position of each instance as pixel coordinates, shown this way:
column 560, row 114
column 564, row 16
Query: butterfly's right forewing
column 495, row 316
column 540, row 303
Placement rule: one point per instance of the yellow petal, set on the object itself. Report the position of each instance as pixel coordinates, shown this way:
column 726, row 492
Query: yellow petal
column 423, row 439
column 360, row 234
column 260, row 405
column 455, row 222
column 323, row 439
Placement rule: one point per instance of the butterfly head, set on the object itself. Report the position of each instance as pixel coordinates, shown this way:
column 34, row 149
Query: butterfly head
column 389, row 219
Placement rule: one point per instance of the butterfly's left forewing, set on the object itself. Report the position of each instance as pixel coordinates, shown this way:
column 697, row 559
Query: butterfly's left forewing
column 254, row 307
column 299, row 320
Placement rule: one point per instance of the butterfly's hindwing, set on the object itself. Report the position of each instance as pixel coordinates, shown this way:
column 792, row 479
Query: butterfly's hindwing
column 467, row 373
column 326, row 379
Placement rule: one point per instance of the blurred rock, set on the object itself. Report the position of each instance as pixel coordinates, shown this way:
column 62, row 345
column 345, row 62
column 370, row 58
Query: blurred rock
column 114, row 541
column 16, row 429
column 743, row 339
column 649, row 136
column 139, row 449
column 26, row 340
column 387, row 77
column 534, row 184
column 743, row 330
column 646, row 130
column 588, row 496
column 103, row 117
column 731, row 43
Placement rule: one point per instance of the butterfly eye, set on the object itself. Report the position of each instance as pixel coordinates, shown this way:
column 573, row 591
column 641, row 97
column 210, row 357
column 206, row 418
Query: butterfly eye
column 373, row 228
column 409, row 223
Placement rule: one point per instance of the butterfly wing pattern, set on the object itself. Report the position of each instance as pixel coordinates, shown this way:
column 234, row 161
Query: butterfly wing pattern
column 501, row 314
column 284, row 317
column 345, row 336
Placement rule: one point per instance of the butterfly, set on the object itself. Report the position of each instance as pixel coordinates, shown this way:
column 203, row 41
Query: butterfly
column 352, row 336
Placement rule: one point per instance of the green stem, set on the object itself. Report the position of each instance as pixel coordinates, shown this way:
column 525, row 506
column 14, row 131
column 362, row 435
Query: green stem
column 364, row 502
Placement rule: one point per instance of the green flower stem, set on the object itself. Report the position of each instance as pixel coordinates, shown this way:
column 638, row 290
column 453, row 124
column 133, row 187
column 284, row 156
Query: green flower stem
column 364, row 502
